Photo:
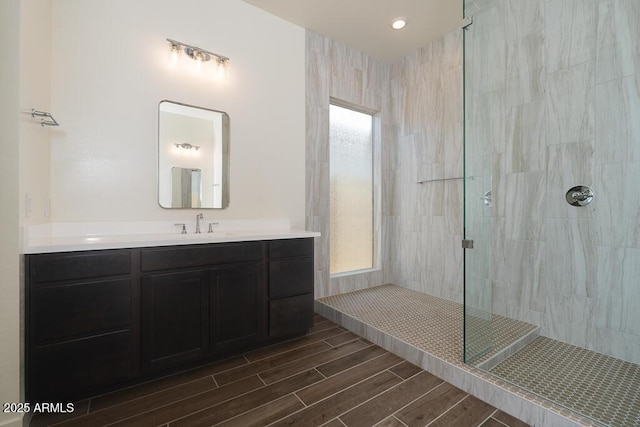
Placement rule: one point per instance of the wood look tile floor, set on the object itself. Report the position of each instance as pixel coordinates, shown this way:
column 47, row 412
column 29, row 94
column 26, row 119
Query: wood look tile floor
column 330, row 377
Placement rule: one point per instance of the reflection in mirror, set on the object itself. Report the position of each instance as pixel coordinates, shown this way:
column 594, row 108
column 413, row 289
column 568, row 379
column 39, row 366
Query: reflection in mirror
column 186, row 190
column 193, row 157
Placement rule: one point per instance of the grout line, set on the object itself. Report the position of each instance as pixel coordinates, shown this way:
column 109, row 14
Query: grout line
column 151, row 381
column 317, row 402
column 298, row 397
column 399, row 420
column 357, row 337
column 184, row 399
column 360, row 364
column 346, row 388
column 379, row 423
column 213, row 377
column 287, row 416
column 142, row 396
column 259, row 406
column 391, row 388
column 334, row 325
column 274, row 346
column 393, row 373
column 127, row 402
column 496, row 420
column 307, row 369
column 445, row 412
column 256, row 407
column 417, row 398
column 371, row 398
column 488, row 418
column 263, row 381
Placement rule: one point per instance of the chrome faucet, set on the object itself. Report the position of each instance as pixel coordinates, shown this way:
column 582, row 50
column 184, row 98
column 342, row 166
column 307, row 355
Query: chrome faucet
column 198, row 218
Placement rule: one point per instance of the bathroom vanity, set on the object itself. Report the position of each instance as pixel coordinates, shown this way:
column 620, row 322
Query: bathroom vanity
column 103, row 318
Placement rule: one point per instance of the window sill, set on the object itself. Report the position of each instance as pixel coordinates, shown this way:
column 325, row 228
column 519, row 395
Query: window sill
column 355, row 272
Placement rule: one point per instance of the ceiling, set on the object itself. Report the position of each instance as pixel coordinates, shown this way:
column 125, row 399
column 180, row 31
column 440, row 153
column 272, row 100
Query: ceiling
column 365, row 25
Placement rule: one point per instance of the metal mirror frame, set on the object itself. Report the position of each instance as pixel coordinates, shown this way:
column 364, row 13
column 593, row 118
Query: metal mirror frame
column 225, row 156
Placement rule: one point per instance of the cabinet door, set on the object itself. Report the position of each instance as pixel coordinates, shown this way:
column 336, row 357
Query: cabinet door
column 237, row 306
column 289, row 316
column 73, row 369
column 175, row 319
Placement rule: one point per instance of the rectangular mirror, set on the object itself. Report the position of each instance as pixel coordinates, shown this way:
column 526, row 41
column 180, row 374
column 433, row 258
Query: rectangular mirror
column 193, row 157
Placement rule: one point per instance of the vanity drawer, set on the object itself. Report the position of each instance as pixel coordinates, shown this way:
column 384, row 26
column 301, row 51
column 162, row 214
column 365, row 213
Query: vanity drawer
column 78, row 265
column 291, row 315
column 76, row 368
column 62, row 312
column 199, row 255
column 289, row 248
column 290, row 277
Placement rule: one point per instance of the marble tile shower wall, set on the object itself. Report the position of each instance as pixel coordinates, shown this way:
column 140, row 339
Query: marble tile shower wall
column 553, row 90
column 336, row 71
column 426, row 219
column 420, row 107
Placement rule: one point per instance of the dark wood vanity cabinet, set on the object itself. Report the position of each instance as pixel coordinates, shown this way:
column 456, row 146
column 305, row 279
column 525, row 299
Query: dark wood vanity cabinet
column 80, row 334
column 199, row 301
column 192, row 315
column 174, row 319
column 100, row 319
column 290, row 286
column 237, row 304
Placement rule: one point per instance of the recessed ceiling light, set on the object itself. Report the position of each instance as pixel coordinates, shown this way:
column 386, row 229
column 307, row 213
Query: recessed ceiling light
column 398, row 23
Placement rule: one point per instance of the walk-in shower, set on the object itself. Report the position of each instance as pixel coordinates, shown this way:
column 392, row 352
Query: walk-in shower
column 552, row 165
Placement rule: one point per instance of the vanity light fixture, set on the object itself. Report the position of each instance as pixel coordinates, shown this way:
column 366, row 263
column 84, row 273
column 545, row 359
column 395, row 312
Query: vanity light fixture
column 199, row 55
column 398, row 23
column 187, row 146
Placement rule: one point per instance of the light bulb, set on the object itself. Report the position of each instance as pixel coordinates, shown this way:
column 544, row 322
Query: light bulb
column 199, row 60
column 174, row 53
column 221, row 69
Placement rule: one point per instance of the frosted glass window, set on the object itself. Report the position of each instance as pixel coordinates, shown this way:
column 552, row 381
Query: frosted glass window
column 351, row 189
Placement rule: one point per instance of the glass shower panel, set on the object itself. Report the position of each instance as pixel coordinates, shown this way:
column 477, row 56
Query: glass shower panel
column 552, row 162
column 478, row 203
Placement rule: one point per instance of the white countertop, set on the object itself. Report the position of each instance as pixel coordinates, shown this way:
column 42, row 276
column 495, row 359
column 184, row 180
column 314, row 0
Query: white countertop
column 64, row 237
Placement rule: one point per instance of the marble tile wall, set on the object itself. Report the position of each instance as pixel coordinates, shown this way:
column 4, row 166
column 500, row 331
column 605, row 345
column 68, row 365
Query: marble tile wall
column 553, row 87
column 426, row 219
column 336, row 71
column 419, row 101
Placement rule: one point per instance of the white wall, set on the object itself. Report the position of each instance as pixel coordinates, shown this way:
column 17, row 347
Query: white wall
column 9, row 221
column 35, row 93
column 111, row 68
